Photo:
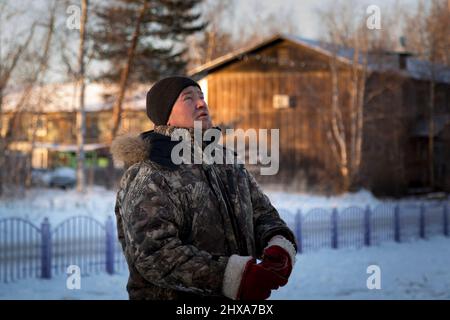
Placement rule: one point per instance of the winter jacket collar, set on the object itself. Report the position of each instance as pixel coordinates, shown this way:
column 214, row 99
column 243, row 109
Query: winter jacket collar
column 155, row 145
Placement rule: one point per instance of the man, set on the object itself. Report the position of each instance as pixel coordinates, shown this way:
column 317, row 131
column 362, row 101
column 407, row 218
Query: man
column 192, row 231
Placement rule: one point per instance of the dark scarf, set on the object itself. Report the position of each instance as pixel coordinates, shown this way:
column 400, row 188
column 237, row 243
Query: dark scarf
column 161, row 146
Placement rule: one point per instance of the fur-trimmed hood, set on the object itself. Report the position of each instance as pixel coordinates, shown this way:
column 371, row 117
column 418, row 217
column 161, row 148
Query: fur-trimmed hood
column 129, row 148
column 132, row 148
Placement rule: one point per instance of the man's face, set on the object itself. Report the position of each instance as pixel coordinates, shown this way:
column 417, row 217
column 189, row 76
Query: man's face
column 189, row 107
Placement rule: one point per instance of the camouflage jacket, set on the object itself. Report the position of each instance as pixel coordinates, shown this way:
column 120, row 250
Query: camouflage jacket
column 179, row 224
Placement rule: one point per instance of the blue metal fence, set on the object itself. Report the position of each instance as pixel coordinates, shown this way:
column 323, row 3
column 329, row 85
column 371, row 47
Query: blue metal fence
column 28, row 250
column 20, row 249
column 31, row 251
column 358, row 227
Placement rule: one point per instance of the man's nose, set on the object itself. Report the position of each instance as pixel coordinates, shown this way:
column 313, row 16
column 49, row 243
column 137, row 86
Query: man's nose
column 201, row 103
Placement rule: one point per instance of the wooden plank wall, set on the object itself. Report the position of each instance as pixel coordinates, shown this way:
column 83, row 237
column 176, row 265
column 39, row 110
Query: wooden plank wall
column 245, row 100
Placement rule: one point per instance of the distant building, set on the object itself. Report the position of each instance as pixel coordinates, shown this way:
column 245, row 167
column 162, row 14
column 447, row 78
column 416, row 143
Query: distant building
column 285, row 82
column 46, row 124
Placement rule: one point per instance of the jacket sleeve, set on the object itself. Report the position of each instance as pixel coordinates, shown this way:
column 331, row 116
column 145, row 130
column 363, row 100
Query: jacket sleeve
column 152, row 217
column 120, row 233
column 266, row 219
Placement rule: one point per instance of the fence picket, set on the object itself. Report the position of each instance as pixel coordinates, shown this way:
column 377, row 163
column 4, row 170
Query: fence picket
column 298, row 230
column 109, row 226
column 445, row 219
column 46, row 253
column 334, row 228
column 367, row 226
column 397, row 224
column 422, row 222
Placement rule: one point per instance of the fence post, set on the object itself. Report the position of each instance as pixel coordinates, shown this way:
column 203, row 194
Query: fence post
column 109, row 228
column 46, row 250
column 367, row 226
column 397, row 223
column 445, row 218
column 334, row 229
column 422, row 221
column 298, row 230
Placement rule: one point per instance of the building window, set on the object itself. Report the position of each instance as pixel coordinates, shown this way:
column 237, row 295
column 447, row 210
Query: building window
column 41, row 127
column 283, row 101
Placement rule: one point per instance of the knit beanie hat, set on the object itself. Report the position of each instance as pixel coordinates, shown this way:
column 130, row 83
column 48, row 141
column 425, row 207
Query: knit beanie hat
column 162, row 96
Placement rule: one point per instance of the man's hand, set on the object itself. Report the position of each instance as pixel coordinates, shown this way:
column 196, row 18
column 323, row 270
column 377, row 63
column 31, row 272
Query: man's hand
column 277, row 260
column 244, row 279
column 279, row 257
column 258, row 282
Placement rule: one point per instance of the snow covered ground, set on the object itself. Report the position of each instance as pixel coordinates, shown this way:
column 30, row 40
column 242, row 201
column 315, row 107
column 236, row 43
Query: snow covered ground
column 411, row 270
column 415, row 270
column 57, row 204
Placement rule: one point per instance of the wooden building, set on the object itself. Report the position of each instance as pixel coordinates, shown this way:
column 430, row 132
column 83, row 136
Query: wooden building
column 285, row 82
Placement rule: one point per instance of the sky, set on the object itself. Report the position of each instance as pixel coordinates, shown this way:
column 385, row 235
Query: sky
column 247, row 15
column 248, row 12
column 303, row 12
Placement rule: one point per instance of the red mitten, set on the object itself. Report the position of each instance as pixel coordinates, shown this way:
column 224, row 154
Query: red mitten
column 247, row 280
column 279, row 256
column 257, row 282
column 277, row 260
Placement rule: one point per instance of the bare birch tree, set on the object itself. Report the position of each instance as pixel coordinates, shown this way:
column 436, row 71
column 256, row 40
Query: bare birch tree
column 347, row 37
column 19, row 54
column 214, row 41
column 353, row 45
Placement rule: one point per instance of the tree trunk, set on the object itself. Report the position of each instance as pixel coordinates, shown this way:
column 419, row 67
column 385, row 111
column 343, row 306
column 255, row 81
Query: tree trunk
column 337, row 137
column 117, row 108
column 346, row 179
column 81, row 114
